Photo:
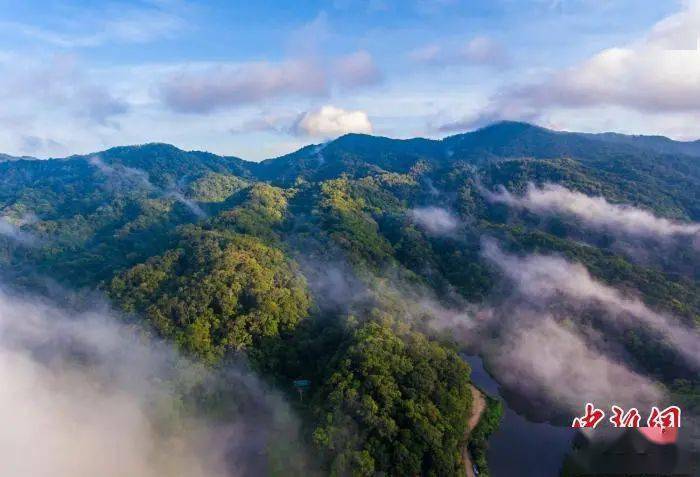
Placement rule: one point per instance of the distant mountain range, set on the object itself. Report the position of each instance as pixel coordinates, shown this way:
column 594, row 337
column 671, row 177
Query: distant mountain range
column 7, row 158
column 656, row 163
column 657, row 143
column 503, row 139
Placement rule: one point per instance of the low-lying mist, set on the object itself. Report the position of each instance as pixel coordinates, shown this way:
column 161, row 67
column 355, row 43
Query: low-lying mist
column 12, row 229
column 559, row 369
column 543, row 354
column 84, row 395
column 596, row 212
column 435, row 220
column 122, row 177
column 545, row 278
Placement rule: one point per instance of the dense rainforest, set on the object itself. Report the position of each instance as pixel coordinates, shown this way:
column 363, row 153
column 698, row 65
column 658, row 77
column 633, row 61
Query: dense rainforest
column 359, row 266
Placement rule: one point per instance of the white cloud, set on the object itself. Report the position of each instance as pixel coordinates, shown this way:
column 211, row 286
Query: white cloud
column 595, row 212
column 547, row 361
column 330, row 121
column 546, row 278
column 211, row 88
column 129, row 177
column 58, row 91
column 84, row 395
column 655, row 74
column 435, row 220
column 11, row 229
column 220, row 87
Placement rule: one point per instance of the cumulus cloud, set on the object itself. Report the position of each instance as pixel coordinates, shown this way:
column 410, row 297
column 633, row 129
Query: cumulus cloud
column 83, row 395
column 595, row 212
column 657, row 73
column 435, row 220
column 326, row 122
column 330, row 121
column 546, row 278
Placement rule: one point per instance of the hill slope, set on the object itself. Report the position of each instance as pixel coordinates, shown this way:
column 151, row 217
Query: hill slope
column 366, row 264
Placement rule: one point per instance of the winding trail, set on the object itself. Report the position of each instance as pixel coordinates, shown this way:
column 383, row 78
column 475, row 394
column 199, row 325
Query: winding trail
column 478, row 407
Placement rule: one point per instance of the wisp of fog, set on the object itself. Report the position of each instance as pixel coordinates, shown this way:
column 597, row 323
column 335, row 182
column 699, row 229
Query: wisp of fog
column 11, row 229
column 83, row 395
column 128, row 177
column 595, row 212
column 541, row 277
column 435, row 220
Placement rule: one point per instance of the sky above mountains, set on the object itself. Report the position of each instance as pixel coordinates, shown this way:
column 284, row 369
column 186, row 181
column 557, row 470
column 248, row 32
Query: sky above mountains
column 259, row 79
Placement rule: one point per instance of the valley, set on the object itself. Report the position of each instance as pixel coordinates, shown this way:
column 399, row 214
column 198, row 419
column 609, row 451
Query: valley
column 390, row 274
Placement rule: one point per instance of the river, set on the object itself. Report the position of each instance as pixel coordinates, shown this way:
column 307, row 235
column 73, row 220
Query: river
column 520, row 446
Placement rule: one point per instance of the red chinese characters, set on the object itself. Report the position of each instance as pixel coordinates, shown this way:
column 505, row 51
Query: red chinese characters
column 661, row 426
column 620, row 418
column 660, row 420
column 591, row 419
column 669, row 417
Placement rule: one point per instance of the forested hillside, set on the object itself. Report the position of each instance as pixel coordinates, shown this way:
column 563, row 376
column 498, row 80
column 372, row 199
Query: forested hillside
column 367, row 265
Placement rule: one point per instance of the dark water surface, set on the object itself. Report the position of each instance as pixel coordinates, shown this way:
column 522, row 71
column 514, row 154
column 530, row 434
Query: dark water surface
column 520, row 446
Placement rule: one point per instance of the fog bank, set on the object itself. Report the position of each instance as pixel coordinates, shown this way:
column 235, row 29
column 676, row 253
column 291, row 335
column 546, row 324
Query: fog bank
column 547, row 278
column 595, row 212
column 85, row 396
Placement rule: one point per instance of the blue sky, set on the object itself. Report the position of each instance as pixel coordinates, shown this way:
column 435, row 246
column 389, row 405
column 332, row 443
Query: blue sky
column 259, row 79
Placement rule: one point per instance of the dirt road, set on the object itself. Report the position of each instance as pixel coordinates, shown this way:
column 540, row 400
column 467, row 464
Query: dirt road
column 478, row 406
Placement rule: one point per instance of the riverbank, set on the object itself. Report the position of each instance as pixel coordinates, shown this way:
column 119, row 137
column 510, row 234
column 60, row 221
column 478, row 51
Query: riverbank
column 487, row 423
column 517, row 443
column 478, row 408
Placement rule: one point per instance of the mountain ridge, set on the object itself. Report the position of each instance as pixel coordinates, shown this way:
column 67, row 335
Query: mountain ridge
column 649, row 161
column 501, row 129
column 9, row 158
